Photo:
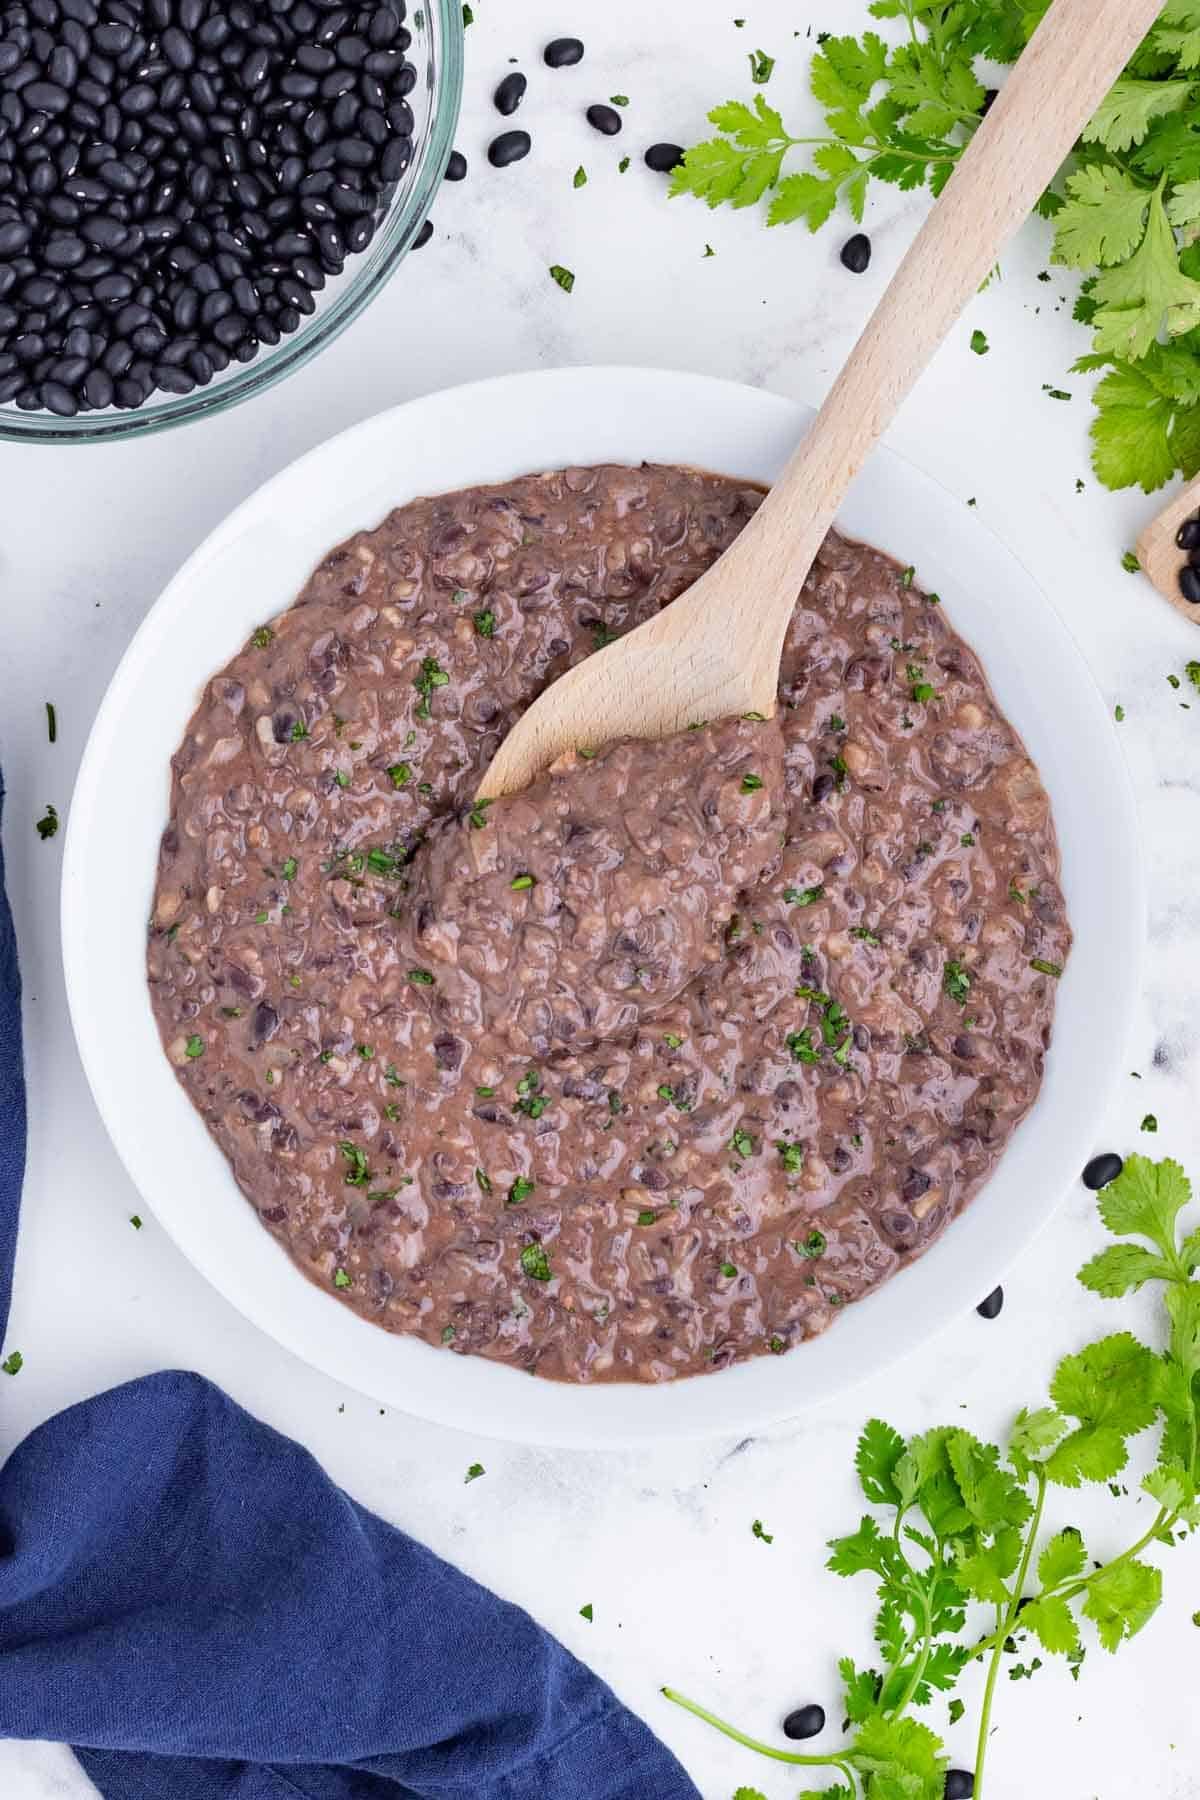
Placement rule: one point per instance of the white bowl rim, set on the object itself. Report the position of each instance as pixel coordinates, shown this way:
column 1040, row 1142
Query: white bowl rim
column 491, row 431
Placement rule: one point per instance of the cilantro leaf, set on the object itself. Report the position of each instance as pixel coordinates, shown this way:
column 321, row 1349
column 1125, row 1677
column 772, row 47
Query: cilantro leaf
column 1103, row 220
column 1051, row 1621
column 1121, row 1269
column 1121, row 1598
column 1141, row 435
column 1145, row 1200
column 1061, row 1560
column 860, row 1696
column 1136, row 298
column 1129, row 109
column 1110, row 1388
column 880, row 1448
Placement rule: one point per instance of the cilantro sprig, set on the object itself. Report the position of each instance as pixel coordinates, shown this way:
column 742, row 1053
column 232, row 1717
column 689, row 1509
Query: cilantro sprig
column 1126, row 208
column 957, row 1530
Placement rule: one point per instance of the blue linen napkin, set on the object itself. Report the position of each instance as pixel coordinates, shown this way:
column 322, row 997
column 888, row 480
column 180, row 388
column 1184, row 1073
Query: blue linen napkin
column 187, row 1599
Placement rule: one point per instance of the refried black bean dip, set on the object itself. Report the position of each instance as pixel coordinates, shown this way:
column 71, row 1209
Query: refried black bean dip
column 656, row 1065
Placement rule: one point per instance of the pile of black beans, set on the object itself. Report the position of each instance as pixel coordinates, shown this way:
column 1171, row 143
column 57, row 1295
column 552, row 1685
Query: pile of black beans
column 178, row 178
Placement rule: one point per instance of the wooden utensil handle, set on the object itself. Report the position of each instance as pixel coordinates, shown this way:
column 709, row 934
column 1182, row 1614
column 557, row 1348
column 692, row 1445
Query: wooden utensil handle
column 1077, row 52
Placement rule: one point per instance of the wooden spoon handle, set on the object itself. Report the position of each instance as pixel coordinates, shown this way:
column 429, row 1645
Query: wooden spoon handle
column 1069, row 65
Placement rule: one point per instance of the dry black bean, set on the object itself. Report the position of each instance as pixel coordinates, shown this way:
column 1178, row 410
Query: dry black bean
column 856, row 253
column 662, row 158
column 456, row 166
column 1189, row 584
column 604, row 118
column 509, row 147
column 992, row 1306
column 1188, row 535
column 510, row 93
column 563, row 53
column 423, row 236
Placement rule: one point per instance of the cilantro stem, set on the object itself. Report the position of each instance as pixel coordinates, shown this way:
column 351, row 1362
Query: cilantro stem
column 1164, row 1521
column 1010, row 1616
column 750, row 1743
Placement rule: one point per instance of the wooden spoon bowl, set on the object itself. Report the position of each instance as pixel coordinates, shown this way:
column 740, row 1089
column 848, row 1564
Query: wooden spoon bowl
column 715, row 651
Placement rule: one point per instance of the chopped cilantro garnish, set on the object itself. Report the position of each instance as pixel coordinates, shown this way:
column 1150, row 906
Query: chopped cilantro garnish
column 47, row 825
column 864, row 933
column 979, row 343
column 1045, row 968
column 484, row 1181
column 579, row 180
column 392, row 1076
column 535, row 1263
column 135, row 1221
column 672, row 1040
column 299, row 731
column 564, row 278
column 729, row 1270
column 485, row 623
column 619, row 99
column 764, row 1537
column 13, row 1364
column 195, row 1047
column 790, row 1155
column 358, row 1174
column 474, row 1472
column 476, row 814
column 967, row 840
column 956, row 981
column 742, row 1143
column 647, row 1216
column 585, row 1612
column 262, row 637
column 520, row 1190
column 448, row 1334
column 341, row 1279
column 801, row 1046
column 400, row 773
column 1149, row 1123
column 430, row 676
column 812, row 1246
column 521, row 881
column 761, row 66
column 342, row 778
column 804, row 896
column 751, row 783
column 289, row 869
column 420, row 977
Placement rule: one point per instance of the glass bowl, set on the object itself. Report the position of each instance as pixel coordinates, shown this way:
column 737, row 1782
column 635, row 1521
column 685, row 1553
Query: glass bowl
column 437, row 53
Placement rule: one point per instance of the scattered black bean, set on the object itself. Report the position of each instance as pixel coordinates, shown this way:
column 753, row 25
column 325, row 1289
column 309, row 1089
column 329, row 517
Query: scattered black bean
column 856, row 253
column 662, row 158
column 991, row 1307
column 156, row 213
column 604, row 118
column 510, row 93
column 805, row 1722
column 960, row 1784
column 1189, row 584
column 1102, row 1169
column 1188, row 535
column 508, row 148
column 423, row 236
column 456, row 167
column 563, row 53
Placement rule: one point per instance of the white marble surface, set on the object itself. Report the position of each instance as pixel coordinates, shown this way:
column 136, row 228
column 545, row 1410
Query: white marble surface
column 659, row 1541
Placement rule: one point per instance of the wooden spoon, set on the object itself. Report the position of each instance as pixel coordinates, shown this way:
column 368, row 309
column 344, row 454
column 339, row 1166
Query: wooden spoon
column 715, row 651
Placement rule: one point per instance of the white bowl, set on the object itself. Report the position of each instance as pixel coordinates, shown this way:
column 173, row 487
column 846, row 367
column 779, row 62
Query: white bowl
column 257, row 561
